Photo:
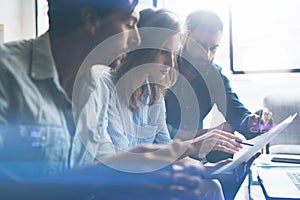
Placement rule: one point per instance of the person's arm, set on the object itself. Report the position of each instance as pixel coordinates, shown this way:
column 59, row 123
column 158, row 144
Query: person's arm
column 240, row 118
column 5, row 149
column 235, row 112
column 174, row 180
column 4, row 105
column 115, row 116
column 90, row 100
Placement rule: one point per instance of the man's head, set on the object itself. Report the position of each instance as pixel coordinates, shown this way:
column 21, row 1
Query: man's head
column 96, row 20
column 66, row 15
column 205, row 29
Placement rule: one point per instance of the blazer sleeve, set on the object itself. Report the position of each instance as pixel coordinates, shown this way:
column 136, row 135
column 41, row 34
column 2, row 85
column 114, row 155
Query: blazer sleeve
column 236, row 113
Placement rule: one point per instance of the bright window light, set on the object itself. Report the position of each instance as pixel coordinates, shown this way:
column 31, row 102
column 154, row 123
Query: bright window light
column 221, row 7
column 266, row 35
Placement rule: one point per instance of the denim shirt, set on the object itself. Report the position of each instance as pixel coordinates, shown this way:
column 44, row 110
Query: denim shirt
column 90, row 102
column 35, row 113
column 127, row 128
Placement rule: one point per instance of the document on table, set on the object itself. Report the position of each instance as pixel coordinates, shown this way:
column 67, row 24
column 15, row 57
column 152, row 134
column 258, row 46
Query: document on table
column 259, row 142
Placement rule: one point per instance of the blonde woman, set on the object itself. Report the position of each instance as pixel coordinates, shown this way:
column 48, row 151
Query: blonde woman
column 136, row 113
column 137, row 86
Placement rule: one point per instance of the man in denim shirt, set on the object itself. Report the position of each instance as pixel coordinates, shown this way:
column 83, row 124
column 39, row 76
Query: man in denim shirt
column 37, row 128
column 36, row 85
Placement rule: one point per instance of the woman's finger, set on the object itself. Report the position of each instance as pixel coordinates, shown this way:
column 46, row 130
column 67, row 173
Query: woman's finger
column 225, row 149
column 230, row 135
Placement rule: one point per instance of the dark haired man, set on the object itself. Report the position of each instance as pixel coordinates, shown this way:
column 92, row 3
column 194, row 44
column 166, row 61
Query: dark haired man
column 37, row 78
column 204, row 30
column 37, row 126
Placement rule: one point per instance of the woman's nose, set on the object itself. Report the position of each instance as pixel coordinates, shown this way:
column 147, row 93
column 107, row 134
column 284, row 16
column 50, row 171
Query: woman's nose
column 171, row 60
column 134, row 38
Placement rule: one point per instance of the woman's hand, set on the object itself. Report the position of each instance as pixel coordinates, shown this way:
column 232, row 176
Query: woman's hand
column 216, row 140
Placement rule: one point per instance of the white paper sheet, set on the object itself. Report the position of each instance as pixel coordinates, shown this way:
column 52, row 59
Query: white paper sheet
column 259, row 142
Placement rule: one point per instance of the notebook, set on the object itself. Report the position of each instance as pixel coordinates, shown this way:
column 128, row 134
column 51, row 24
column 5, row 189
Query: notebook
column 280, row 182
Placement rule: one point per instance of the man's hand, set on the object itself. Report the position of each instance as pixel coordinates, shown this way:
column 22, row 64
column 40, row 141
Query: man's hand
column 262, row 120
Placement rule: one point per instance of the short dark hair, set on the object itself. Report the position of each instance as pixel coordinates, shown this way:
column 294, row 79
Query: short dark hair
column 205, row 20
column 65, row 15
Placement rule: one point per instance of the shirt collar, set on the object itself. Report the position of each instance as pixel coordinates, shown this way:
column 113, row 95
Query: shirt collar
column 43, row 65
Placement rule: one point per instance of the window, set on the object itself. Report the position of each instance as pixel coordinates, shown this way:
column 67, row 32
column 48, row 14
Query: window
column 144, row 4
column 42, row 16
column 18, row 19
column 265, row 33
column 183, row 8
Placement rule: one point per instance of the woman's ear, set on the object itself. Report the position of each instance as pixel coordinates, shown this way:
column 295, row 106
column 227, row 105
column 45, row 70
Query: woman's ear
column 91, row 20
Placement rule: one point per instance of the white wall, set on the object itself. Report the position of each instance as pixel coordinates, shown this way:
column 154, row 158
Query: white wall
column 1, row 33
column 252, row 88
column 18, row 17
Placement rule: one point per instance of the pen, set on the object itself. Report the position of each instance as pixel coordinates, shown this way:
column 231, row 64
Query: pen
column 259, row 122
column 244, row 143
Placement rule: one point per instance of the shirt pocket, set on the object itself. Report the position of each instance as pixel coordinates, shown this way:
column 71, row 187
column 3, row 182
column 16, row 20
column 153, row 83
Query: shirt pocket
column 38, row 142
column 38, row 149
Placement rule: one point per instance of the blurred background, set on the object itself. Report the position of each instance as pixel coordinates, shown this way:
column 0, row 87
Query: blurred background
column 259, row 50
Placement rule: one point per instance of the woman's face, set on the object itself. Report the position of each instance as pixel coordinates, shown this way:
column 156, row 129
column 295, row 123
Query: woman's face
column 165, row 58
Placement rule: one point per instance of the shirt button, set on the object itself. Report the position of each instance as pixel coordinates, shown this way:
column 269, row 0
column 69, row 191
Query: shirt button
column 96, row 138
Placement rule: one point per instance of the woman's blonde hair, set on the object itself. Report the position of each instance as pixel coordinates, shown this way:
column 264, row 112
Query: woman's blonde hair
column 150, row 18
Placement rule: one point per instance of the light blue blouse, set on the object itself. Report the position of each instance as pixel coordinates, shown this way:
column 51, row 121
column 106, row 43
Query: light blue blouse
column 127, row 128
